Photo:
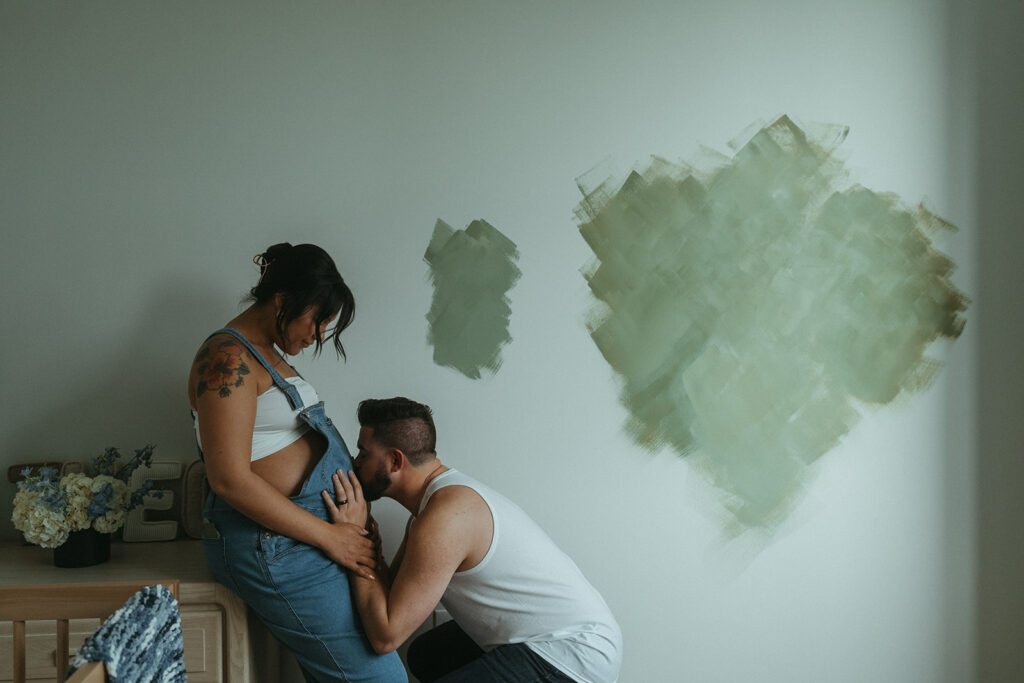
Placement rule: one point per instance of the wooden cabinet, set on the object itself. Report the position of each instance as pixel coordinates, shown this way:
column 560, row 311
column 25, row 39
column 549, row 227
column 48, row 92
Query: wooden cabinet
column 201, row 629
column 213, row 620
column 40, row 647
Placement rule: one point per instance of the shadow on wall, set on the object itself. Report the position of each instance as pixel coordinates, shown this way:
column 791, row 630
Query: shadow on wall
column 958, row 624
column 998, row 174
column 126, row 394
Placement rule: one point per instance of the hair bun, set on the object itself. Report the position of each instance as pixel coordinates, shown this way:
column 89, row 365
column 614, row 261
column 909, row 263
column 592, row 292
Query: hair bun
column 276, row 251
column 270, row 255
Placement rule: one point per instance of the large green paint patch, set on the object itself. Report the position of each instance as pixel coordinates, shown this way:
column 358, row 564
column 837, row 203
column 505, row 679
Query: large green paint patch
column 750, row 308
column 472, row 271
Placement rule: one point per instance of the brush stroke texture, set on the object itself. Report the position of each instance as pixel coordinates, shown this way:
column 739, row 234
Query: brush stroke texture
column 749, row 308
column 471, row 270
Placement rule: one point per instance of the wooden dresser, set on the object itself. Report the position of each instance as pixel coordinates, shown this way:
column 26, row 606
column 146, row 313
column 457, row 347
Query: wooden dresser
column 214, row 621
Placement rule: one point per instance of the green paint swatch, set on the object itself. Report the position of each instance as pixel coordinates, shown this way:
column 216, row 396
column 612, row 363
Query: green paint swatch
column 748, row 309
column 472, row 271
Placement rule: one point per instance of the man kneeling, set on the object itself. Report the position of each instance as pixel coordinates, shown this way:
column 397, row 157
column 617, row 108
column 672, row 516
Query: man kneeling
column 522, row 609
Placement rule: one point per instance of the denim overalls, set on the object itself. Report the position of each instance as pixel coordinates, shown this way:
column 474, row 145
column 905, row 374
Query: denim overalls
column 296, row 590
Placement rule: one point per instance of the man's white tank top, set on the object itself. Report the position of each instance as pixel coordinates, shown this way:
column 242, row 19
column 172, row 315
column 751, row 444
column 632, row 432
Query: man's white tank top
column 526, row 590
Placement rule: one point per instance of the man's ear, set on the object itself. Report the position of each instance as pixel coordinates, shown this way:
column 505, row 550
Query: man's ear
column 397, row 459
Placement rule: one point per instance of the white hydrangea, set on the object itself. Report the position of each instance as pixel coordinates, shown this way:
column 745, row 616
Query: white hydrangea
column 74, row 494
column 116, row 506
column 40, row 525
column 78, row 488
column 110, row 522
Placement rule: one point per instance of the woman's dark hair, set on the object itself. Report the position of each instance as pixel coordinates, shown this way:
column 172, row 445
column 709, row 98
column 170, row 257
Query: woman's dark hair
column 308, row 279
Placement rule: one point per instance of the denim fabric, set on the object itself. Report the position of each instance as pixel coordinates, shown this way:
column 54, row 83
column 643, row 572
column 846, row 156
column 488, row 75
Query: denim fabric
column 297, row 591
column 447, row 655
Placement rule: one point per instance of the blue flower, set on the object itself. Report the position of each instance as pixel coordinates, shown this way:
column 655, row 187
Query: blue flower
column 100, row 501
column 56, row 499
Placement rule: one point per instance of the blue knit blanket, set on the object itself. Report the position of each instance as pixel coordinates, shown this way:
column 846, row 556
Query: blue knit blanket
column 140, row 642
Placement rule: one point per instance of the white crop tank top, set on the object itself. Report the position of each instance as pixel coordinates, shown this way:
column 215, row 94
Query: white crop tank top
column 277, row 425
column 526, row 590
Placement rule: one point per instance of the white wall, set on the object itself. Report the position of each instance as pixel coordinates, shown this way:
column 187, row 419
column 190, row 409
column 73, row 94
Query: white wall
column 150, row 149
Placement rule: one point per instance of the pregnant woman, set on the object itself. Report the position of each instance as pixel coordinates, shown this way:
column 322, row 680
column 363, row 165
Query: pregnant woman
column 269, row 451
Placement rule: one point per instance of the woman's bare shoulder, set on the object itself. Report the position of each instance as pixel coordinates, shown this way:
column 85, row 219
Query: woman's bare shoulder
column 222, row 365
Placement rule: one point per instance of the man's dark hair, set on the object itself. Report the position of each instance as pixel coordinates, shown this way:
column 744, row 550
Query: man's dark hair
column 402, row 424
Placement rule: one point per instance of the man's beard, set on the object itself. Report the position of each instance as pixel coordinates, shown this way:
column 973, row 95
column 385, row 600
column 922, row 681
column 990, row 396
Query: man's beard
column 377, row 484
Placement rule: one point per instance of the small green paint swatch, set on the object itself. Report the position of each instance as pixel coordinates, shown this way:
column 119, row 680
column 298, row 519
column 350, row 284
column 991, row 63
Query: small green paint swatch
column 751, row 307
column 472, row 271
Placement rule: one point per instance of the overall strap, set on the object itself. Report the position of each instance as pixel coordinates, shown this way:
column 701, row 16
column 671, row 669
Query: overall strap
column 294, row 400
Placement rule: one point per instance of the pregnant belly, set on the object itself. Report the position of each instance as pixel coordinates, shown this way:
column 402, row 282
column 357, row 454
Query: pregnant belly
column 286, row 469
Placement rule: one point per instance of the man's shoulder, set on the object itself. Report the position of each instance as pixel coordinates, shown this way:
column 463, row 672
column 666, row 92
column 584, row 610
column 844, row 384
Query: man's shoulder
column 456, row 521
column 453, row 495
column 454, row 502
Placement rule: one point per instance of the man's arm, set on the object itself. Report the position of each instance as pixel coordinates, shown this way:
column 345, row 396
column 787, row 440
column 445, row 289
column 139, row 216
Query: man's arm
column 396, row 561
column 436, row 544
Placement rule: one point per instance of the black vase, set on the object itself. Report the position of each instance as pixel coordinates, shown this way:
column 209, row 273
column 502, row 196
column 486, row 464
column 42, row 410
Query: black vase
column 82, row 549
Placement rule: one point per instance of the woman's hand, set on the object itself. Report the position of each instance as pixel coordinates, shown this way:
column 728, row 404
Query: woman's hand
column 348, row 511
column 348, row 504
column 349, row 547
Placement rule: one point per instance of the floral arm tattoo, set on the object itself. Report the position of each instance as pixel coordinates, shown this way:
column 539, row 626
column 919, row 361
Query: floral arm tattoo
column 221, row 367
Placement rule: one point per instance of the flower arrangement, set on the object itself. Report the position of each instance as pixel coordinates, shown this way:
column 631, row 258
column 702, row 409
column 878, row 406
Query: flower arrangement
column 48, row 509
